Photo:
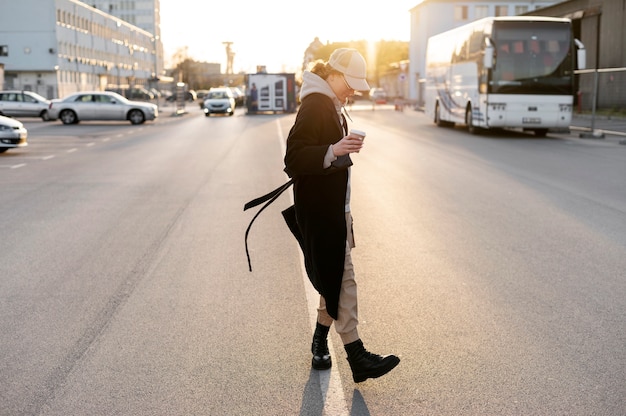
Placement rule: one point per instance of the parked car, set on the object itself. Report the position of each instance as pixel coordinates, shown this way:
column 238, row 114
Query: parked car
column 219, row 100
column 166, row 94
column 137, row 93
column 201, row 94
column 157, row 94
column 100, row 105
column 12, row 134
column 140, row 94
column 240, row 97
column 190, row 96
column 23, row 104
column 378, row 95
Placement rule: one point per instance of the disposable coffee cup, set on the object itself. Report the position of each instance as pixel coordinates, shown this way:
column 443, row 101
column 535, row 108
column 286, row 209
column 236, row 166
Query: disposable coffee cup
column 359, row 133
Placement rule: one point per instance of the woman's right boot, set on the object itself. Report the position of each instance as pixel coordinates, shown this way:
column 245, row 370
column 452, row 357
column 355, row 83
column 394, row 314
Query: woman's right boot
column 319, row 347
column 366, row 365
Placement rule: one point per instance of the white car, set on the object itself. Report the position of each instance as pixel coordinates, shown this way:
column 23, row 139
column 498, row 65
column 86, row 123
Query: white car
column 101, row 105
column 12, row 134
column 219, row 100
column 378, row 95
column 15, row 103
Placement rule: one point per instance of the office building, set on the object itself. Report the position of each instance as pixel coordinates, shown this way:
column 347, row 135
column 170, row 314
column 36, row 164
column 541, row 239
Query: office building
column 69, row 46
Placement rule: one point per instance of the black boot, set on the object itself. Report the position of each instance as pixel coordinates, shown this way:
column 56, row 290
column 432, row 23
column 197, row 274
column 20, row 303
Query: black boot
column 319, row 347
column 366, row 365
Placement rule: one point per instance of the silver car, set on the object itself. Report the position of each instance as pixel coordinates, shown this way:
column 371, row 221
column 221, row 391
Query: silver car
column 12, row 134
column 100, row 105
column 219, row 100
column 16, row 103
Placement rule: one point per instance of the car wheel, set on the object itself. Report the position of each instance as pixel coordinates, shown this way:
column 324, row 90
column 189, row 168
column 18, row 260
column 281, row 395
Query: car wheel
column 68, row 117
column 541, row 132
column 3, row 149
column 136, row 117
column 207, row 114
column 45, row 116
column 232, row 113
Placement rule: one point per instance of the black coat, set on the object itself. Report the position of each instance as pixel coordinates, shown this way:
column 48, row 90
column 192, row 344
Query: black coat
column 319, row 194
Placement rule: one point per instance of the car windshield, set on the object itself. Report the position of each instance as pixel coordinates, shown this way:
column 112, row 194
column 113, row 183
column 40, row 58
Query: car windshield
column 218, row 94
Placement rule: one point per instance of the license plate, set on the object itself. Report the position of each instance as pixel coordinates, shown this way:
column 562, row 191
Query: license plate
column 531, row 120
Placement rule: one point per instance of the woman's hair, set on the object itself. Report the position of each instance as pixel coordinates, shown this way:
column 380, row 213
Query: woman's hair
column 323, row 69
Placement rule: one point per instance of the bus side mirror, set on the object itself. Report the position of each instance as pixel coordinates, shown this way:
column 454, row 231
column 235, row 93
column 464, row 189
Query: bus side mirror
column 488, row 57
column 581, row 55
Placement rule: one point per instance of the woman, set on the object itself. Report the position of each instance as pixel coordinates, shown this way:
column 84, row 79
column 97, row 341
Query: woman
column 318, row 159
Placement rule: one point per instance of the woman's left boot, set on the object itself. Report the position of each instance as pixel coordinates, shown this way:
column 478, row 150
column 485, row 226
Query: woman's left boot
column 366, row 365
column 319, row 347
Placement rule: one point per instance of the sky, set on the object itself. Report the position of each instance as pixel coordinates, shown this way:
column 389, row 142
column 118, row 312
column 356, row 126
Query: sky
column 275, row 33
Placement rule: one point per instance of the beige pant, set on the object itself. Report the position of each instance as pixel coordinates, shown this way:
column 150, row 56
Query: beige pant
column 348, row 316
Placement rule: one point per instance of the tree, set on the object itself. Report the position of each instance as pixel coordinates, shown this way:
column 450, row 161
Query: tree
column 379, row 55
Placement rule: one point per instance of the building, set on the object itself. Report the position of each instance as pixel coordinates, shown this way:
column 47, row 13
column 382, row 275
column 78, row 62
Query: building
column 145, row 14
column 601, row 26
column 431, row 17
column 69, row 46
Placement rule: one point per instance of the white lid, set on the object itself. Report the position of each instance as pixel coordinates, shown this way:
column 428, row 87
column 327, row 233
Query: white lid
column 358, row 132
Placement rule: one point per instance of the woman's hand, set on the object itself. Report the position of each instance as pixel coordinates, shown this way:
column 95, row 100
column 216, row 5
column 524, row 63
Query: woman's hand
column 348, row 144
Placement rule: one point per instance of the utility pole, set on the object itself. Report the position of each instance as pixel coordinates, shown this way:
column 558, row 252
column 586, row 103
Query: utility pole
column 230, row 56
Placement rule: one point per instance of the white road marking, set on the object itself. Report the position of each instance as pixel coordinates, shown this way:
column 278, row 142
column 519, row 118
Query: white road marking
column 330, row 381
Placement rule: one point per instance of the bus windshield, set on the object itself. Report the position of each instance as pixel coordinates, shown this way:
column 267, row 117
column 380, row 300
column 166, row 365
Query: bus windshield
column 532, row 58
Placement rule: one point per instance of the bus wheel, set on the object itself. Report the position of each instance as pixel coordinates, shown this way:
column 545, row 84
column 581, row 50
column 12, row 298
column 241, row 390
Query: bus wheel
column 438, row 116
column 541, row 132
column 438, row 121
column 469, row 121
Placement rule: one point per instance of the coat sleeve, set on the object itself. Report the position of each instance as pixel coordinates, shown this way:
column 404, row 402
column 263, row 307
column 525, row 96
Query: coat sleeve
column 309, row 137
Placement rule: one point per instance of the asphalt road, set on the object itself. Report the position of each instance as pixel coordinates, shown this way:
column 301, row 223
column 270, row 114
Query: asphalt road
column 493, row 265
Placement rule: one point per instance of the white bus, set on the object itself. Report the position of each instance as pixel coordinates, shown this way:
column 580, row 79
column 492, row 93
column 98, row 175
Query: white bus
column 503, row 72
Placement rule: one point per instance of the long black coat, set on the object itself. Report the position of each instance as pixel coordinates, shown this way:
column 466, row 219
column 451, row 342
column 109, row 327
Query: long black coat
column 319, row 194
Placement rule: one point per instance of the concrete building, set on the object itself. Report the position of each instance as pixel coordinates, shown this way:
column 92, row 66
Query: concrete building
column 67, row 46
column 601, row 27
column 431, row 17
column 145, row 14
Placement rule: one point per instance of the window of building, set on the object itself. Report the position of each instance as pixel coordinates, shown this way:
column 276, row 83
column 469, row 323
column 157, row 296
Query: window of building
column 502, row 10
column 460, row 13
column 481, row 11
column 520, row 10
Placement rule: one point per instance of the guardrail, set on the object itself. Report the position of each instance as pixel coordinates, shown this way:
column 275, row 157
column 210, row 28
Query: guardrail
column 600, row 88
